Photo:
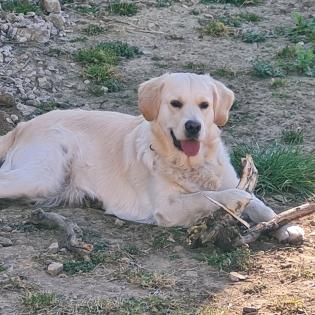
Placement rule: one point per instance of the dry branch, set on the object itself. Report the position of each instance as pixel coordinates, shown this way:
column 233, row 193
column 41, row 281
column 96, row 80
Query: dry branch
column 71, row 234
column 222, row 230
column 281, row 219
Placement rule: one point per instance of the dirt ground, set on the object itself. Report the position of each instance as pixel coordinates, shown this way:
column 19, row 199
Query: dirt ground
column 147, row 261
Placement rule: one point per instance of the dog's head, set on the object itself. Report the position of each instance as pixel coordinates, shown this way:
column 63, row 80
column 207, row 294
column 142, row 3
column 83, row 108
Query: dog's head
column 185, row 106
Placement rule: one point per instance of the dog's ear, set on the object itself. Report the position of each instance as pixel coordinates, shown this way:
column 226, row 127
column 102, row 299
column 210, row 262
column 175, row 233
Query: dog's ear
column 223, row 99
column 149, row 97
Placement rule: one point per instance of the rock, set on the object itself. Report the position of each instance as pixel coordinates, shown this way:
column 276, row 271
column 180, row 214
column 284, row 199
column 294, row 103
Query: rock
column 34, row 33
column 1, row 58
column 57, row 20
column 25, row 109
column 51, row 6
column 44, row 83
column 55, row 268
column 312, row 223
column 6, row 99
column 53, row 248
column 235, row 276
column 5, row 242
column 119, row 222
column 250, row 310
column 14, row 118
column 191, row 274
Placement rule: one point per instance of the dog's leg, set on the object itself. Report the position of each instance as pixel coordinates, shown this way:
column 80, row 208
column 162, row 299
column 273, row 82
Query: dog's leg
column 258, row 212
column 34, row 171
column 187, row 209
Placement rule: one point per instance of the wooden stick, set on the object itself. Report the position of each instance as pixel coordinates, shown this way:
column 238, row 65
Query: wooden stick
column 281, row 219
column 71, row 236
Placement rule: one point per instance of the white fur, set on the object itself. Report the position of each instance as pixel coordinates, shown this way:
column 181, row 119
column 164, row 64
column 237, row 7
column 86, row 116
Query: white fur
column 130, row 164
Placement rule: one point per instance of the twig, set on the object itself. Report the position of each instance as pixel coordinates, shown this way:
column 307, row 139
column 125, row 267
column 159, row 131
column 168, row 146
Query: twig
column 281, row 219
column 71, row 236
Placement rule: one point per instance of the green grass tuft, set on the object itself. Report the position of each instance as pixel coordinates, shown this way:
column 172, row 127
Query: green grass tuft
column 282, row 169
column 265, row 69
column 2, row 268
column 19, row 6
column 123, row 8
column 39, row 301
column 216, row 29
column 253, row 37
column 303, row 30
column 276, row 83
column 121, row 49
column 93, row 30
column 96, row 56
column 250, row 17
column 238, row 259
column 163, row 3
column 292, row 136
column 92, row 9
column 297, row 59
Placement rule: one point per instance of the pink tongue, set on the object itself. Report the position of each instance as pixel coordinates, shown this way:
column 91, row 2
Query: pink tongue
column 190, row 147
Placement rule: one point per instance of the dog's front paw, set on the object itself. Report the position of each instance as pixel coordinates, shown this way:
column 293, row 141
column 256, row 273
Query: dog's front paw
column 292, row 234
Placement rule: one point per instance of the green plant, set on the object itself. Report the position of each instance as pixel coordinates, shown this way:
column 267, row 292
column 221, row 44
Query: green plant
column 92, row 9
column 215, row 28
column 292, row 136
column 93, row 30
column 123, row 8
column 96, row 56
column 265, row 69
column 238, row 259
column 121, row 49
column 96, row 90
column 19, row 6
column 303, row 30
column 2, row 268
column 196, row 67
column 250, row 17
column 298, row 59
column 276, row 83
column 224, row 72
column 39, row 301
column 105, row 74
column 253, row 37
column 282, row 169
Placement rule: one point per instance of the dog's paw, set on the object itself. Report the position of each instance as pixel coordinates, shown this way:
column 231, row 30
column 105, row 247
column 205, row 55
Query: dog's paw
column 234, row 199
column 292, row 234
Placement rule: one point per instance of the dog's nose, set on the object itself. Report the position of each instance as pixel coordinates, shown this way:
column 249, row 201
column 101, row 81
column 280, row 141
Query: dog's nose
column 192, row 128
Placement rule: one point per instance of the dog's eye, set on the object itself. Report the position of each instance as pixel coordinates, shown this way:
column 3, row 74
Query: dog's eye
column 204, row 105
column 176, row 103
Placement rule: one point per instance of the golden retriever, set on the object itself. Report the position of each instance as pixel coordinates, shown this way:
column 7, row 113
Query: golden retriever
column 155, row 168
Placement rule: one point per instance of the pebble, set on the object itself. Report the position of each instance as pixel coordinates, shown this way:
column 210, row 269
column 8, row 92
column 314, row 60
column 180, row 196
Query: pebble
column 6, row 99
column 235, row 276
column 51, row 6
column 53, row 248
column 55, row 268
column 119, row 222
column 5, row 242
column 250, row 310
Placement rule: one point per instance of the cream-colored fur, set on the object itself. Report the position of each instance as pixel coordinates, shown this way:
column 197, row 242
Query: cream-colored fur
column 130, row 163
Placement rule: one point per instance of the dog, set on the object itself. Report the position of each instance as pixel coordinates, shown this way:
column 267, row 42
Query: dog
column 156, row 168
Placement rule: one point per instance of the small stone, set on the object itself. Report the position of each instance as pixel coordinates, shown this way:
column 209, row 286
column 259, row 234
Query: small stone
column 5, row 242
column 14, row 118
column 55, row 268
column 312, row 223
column 104, row 89
column 43, row 83
column 6, row 99
column 119, row 222
column 250, row 310
column 53, row 248
column 25, row 110
column 9, row 120
column 51, row 6
column 86, row 81
column 57, row 20
column 191, row 274
column 235, row 276
column 1, row 58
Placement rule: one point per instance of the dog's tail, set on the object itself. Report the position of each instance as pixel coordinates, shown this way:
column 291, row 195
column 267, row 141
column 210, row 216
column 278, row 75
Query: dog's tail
column 6, row 142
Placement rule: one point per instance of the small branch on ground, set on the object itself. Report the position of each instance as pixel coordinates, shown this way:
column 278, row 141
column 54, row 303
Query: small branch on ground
column 71, row 236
